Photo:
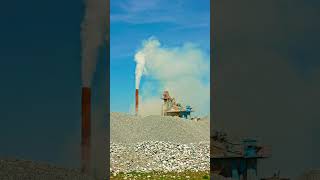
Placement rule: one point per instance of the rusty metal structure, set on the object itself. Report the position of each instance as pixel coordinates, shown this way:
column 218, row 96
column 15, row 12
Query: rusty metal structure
column 171, row 108
column 85, row 129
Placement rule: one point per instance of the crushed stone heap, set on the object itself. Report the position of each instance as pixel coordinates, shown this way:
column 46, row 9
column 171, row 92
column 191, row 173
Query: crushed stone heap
column 158, row 143
column 128, row 129
column 160, row 156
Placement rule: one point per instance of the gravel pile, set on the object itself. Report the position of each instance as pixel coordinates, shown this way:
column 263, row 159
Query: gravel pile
column 157, row 143
column 132, row 129
column 160, row 156
column 28, row 170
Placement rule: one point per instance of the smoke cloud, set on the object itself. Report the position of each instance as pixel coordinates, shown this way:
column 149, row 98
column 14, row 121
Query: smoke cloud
column 183, row 71
column 140, row 60
column 93, row 32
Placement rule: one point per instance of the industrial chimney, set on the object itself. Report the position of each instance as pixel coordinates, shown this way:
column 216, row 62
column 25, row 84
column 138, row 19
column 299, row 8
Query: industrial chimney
column 137, row 101
column 85, row 129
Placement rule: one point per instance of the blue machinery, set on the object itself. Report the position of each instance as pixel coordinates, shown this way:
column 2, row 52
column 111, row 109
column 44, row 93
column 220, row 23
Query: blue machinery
column 186, row 113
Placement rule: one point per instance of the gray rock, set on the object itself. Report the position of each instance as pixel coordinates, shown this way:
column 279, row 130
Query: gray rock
column 162, row 156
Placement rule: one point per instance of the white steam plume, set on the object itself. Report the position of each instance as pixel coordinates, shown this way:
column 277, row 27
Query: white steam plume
column 184, row 71
column 140, row 60
column 93, row 31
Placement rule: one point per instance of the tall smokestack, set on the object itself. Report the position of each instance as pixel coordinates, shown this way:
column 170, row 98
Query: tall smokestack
column 86, row 129
column 137, row 101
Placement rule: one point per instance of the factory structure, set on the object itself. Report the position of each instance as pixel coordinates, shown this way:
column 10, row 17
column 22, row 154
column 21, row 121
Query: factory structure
column 237, row 160
column 171, row 108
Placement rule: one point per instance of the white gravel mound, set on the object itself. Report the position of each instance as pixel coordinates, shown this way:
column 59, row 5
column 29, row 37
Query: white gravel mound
column 158, row 143
column 160, row 156
column 127, row 128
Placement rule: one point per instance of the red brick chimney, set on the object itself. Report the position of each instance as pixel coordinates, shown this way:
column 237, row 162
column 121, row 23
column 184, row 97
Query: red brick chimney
column 85, row 129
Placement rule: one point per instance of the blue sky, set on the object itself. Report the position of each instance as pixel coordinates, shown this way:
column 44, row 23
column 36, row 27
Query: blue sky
column 132, row 21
